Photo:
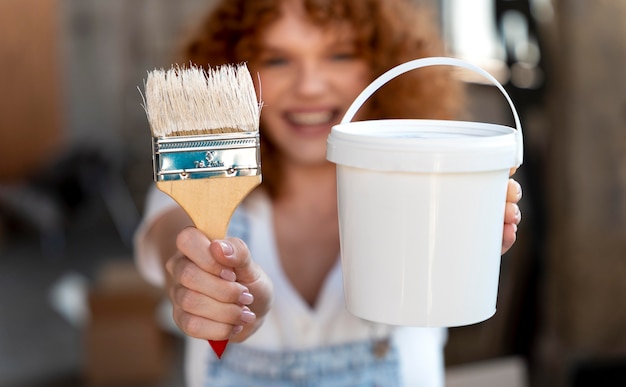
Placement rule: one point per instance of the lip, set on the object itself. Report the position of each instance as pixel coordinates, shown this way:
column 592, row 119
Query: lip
column 312, row 121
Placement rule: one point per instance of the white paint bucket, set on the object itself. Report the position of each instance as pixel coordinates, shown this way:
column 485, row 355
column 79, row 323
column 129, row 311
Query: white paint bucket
column 421, row 211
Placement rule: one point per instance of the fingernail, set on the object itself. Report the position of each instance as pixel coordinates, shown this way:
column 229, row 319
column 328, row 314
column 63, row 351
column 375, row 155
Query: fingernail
column 227, row 248
column 228, row 275
column 247, row 315
column 237, row 329
column 514, row 227
column 246, row 298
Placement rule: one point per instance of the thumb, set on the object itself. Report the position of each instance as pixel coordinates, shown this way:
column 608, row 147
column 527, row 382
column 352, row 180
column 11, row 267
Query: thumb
column 234, row 256
column 233, row 253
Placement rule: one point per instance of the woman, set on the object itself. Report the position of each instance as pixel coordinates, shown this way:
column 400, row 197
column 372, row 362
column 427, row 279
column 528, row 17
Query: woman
column 275, row 285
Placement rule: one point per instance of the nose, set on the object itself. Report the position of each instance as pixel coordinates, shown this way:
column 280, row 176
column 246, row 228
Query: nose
column 311, row 79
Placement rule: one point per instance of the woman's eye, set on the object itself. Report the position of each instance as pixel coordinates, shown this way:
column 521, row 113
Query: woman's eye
column 274, row 61
column 343, row 56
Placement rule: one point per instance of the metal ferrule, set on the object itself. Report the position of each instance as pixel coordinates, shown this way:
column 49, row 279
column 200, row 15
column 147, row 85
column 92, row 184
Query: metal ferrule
column 198, row 157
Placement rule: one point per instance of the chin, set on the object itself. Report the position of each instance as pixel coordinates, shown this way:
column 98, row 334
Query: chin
column 309, row 158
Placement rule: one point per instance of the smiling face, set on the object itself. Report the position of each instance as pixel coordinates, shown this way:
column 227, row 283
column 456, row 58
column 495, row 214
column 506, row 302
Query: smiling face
column 309, row 76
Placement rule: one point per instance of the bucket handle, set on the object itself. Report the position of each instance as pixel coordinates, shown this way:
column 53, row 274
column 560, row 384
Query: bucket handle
column 435, row 61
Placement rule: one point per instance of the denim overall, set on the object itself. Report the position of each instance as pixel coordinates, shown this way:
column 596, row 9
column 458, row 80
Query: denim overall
column 361, row 364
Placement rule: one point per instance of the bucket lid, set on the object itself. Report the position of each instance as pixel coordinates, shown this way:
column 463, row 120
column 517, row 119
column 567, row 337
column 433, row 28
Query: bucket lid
column 423, row 146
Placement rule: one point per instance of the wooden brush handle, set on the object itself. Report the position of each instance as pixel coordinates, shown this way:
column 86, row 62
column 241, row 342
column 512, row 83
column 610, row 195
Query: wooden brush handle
column 210, row 202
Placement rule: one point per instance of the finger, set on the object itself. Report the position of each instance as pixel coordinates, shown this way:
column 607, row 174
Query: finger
column 514, row 191
column 509, row 236
column 186, row 273
column 248, row 273
column 512, row 171
column 233, row 253
column 195, row 246
column 198, row 304
column 512, row 214
column 191, row 315
column 201, row 327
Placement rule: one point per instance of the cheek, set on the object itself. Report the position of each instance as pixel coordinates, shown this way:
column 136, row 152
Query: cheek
column 357, row 80
column 268, row 123
column 268, row 86
column 271, row 123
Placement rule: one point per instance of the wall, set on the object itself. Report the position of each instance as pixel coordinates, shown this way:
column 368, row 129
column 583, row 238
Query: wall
column 30, row 102
column 584, row 286
column 107, row 49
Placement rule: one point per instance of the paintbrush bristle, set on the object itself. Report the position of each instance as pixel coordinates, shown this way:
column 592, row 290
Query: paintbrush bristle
column 191, row 101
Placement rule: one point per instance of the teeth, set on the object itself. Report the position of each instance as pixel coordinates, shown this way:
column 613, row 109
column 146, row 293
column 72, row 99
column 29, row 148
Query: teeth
column 312, row 118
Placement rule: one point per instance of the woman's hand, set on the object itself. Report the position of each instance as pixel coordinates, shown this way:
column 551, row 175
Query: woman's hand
column 512, row 214
column 217, row 291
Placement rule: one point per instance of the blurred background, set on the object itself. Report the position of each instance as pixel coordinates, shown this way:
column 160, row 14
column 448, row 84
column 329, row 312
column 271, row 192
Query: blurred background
column 76, row 165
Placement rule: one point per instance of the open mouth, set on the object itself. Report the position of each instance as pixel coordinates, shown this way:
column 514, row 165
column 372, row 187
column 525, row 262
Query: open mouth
column 325, row 117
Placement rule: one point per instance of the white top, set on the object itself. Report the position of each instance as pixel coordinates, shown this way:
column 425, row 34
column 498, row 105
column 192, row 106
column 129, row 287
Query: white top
column 292, row 323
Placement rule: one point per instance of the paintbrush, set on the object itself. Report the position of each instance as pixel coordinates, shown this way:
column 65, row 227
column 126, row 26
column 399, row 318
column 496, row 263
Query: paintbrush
column 205, row 129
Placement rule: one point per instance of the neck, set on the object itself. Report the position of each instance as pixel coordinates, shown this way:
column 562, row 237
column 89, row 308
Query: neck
column 309, row 183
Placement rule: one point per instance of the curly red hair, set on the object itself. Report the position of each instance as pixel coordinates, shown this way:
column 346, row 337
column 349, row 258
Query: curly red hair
column 388, row 33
